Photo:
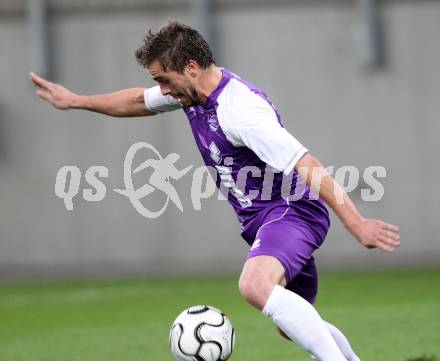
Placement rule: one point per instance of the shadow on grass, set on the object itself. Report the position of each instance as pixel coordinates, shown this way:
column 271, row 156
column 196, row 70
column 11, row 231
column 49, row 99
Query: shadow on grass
column 423, row 358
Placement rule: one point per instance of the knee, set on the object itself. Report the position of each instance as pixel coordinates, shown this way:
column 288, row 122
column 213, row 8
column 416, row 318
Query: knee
column 256, row 291
column 246, row 288
column 259, row 276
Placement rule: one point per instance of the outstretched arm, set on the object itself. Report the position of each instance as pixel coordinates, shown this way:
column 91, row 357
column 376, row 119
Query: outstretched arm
column 369, row 232
column 124, row 103
column 255, row 125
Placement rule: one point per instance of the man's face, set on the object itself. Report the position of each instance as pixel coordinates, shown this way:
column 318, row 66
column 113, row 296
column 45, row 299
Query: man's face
column 179, row 85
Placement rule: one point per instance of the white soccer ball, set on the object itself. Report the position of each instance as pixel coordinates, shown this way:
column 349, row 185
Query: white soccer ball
column 202, row 333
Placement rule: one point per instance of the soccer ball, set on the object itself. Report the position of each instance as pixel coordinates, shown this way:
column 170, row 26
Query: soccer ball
column 202, row 333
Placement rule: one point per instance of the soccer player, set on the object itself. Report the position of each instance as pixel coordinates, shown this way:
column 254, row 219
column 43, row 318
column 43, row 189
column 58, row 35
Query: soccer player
column 238, row 130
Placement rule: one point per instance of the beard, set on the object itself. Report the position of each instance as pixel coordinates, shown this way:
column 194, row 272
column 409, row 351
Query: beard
column 190, row 99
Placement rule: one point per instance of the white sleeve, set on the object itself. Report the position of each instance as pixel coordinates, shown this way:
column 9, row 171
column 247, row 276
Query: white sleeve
column 255, row 125
column 158, row 103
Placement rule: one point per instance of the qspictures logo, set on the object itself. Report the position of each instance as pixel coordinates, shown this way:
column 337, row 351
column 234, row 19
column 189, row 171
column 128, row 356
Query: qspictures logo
column 164, row 172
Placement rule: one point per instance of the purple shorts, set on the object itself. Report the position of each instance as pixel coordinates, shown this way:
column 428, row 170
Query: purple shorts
column 291, row 233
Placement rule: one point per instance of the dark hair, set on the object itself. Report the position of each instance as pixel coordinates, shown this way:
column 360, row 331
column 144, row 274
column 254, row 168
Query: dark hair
column 174, row 45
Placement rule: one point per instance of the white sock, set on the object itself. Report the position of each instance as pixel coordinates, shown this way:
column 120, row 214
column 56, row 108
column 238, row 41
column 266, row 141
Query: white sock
column 301, row 322
column 342, row 343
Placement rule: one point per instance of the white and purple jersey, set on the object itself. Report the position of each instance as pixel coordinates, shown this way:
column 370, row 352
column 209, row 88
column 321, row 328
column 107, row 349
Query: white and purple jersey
column 240, row 133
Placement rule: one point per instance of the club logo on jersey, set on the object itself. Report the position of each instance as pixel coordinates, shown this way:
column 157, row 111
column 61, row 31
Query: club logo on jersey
column 213, row 122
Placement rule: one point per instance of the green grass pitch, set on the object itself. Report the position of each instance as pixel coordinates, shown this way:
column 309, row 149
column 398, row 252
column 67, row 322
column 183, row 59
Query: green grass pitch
column 388, row 316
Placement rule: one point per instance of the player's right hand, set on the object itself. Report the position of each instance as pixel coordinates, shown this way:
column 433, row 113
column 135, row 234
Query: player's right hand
column 55, row 94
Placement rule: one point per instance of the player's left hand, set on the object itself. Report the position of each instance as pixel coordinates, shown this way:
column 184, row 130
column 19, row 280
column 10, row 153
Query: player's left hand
column 374, row 233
